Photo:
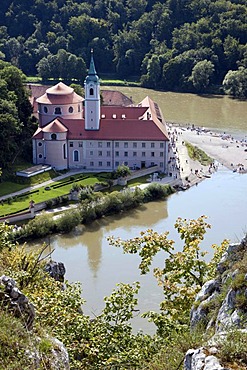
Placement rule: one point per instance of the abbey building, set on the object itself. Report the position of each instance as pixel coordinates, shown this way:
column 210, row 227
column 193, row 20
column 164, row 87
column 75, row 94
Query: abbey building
column 83, row 133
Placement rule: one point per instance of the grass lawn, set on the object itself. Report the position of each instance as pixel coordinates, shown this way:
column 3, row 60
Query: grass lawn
column 41, row 195
column 9, row 187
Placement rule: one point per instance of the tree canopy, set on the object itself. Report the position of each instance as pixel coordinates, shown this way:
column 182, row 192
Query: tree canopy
column 16, row 125
column 159, row 42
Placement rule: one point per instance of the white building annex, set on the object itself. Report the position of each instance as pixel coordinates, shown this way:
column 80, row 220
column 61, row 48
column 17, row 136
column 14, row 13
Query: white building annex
column 78, row 133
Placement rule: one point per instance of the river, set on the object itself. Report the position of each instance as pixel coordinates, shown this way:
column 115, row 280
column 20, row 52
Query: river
column 88, row 257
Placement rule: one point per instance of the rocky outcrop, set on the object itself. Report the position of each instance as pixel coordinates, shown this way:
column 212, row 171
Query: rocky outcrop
column 202, row 359
column 220, row 306
column 56, row 270
column 18, row 305
column 57, row 358
column 16, row 302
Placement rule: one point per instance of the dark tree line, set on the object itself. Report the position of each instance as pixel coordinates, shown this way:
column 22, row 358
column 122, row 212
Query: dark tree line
column 179, row 45
column 16, row 124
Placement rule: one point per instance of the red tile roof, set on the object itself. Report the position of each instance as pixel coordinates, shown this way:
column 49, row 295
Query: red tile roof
column 144, row 122
column 55, row 126
column 59, row 94
column 112, row 97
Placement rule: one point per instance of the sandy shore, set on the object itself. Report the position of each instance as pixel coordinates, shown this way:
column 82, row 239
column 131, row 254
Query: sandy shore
column 222, row 148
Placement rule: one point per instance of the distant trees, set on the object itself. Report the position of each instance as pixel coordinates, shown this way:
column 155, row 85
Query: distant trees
column 201, row 75
column 62, row 65
column 235, row 83
column 158, row 42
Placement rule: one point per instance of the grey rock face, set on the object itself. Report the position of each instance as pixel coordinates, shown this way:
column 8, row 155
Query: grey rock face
column 231, row 312
column 16, row 301
column 208, row 292
column 228, row 315
column 56, row 270
column 199, row 360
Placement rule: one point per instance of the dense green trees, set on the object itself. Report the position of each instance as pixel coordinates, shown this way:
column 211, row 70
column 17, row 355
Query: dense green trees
column 131, row 38
column 16, row 125
column 235, row 83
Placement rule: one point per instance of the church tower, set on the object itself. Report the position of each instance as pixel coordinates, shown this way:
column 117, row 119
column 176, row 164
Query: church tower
column 92, row 98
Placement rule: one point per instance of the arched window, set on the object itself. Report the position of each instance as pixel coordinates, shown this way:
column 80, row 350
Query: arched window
column 40, row 156
column 76, row 155
column 58, row 110
column 53, row 136
column 45, row 109
column 71, row 109
column 40, row 144
column 91, row 91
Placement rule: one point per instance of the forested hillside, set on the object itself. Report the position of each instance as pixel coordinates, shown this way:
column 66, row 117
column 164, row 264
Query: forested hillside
column 181, row 45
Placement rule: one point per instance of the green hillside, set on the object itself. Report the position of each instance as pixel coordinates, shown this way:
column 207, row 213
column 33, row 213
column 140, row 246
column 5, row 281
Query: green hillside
column 187, row 45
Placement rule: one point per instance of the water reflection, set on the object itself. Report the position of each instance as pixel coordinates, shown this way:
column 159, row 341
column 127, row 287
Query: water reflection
column 89, row 258
column 92, row 237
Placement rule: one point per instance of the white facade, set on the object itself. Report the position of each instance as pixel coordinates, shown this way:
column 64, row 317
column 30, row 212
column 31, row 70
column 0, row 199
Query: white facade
column 98, row 138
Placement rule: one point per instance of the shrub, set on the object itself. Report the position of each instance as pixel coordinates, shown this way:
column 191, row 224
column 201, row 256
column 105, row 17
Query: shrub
column 38, row 227
column 68, row 221
column 156, row 191
column 49, row 203
column 86, row 192
column 196, row 153
column 122, row 171
column 234, row 347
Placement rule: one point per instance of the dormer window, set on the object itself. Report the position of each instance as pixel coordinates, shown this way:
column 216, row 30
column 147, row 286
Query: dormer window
column 58, row 110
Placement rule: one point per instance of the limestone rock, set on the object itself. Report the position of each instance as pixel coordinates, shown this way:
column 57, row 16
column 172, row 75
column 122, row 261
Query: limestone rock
column 228, row 315
column 16, row 301
column 56, row 270
column 198, row 359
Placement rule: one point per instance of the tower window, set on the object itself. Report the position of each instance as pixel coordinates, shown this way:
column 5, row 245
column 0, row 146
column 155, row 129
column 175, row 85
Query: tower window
column 53, row 136
column 91, row 91
column 39, row 144
column 71, row 109
column 40, row 155
column 45, row 109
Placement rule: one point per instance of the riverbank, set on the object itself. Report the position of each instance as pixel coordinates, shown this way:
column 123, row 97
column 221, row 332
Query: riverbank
column 223, row 148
